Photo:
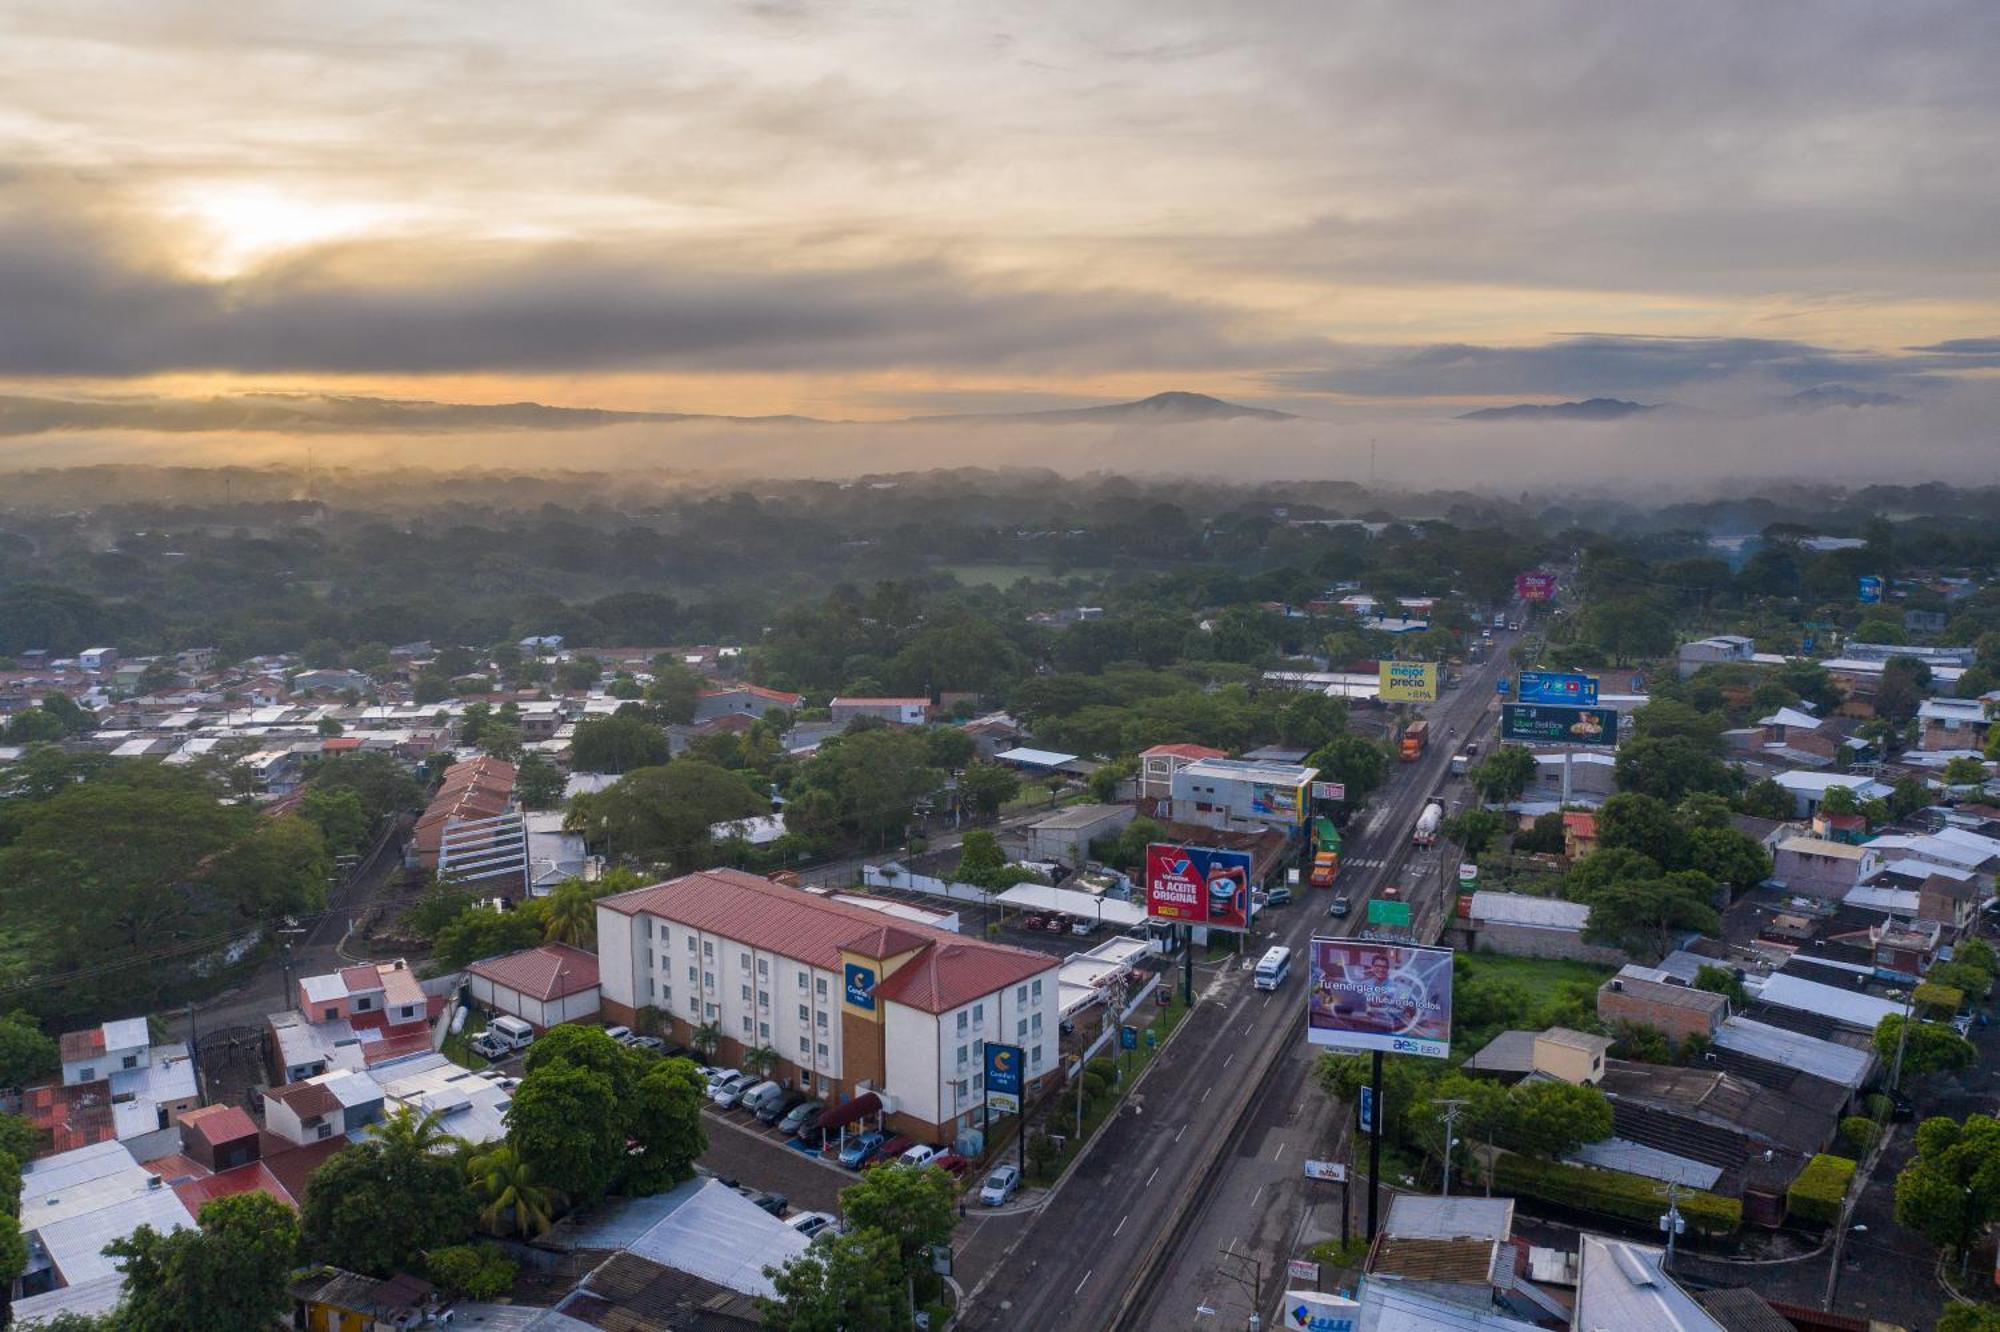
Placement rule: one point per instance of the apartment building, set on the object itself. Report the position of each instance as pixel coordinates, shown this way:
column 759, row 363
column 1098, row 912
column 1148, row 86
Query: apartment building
column 848, row 1002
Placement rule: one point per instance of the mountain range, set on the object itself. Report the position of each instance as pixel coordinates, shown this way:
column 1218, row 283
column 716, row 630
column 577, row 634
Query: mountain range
column 309, row 413
column 1589, row 409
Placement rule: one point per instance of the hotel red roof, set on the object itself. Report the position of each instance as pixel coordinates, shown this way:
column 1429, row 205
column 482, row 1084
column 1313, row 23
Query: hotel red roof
column 552, row 971
column 217, row 1124
column 816, row 930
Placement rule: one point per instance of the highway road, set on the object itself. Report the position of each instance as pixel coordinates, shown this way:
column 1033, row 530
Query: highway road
column 1133, row 1207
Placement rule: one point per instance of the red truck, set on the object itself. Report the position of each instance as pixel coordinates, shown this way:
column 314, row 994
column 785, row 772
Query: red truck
column 1414, row 737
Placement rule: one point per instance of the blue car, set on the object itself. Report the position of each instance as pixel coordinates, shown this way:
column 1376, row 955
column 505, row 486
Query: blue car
column 856, row 1153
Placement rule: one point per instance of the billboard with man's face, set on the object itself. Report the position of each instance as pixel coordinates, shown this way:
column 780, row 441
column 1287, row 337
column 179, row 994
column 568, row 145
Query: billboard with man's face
column 1365, row 995
column 1198, row 885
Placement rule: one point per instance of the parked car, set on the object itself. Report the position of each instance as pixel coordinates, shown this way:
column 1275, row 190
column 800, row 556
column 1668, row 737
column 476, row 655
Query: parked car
column 731, row 1093
column 1001, row 1185
column 893, row 1149
column 622, row 1035
column 1034, row 920
column 756, row 1097
column 1279, row 896
column 860, row 1148
column 774, row 1203
column 517, row 1034
column 778, row 1107
column 921, row 1155
column 800, row 1117
column 810, row 1224
column 715, row 1073
column 650, row 1044
column 952, row 1164
column 490, row 1047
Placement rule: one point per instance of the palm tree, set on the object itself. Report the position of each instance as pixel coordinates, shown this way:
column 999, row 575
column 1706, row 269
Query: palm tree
column 760, row 1059
column 571, row 914
column 707, row 1038
column 505, row 1186
column 407, row 1134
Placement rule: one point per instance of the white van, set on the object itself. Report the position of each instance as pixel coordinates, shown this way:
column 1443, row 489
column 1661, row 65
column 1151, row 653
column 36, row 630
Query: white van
column 517, row 1034
column 759, row 1096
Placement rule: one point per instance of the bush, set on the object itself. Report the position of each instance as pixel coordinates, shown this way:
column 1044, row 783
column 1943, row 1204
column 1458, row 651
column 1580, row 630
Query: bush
column 1104, row 1066
column 1815, row 1196
column 1860, row 1133
column 474, row 1271
column 1627, row 1197
column 1879, row 1107
column 1937, row 1000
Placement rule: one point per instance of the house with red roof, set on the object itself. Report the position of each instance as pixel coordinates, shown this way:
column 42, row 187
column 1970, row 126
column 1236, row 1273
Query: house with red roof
column 742, row 700
column 852, row 1003
column 541, row 986
column 1158, row 765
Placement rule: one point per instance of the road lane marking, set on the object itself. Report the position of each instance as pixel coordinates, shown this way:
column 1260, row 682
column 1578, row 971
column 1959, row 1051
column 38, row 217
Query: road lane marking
column 1150, row 1178
column 1177, row 1135
column 1121, row 1224
column 1204, row 1094
column 1253, row 1198
column 1280, row 1152
column 1079, row 1285
column 1232, row 1057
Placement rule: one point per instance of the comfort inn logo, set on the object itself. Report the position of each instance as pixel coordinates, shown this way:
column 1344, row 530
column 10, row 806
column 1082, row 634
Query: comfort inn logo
column 860, row 986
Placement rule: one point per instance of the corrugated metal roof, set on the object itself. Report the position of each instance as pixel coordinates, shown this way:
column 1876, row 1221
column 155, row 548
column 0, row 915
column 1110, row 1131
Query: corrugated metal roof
column 1635, row 1158
column 1857, row 1010
column 1548, row 913
column 1621, row 1285
column 1809, row 1054
column 1419, row 1216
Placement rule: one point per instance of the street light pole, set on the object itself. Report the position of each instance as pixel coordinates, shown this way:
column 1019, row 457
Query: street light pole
column 1451, row 1109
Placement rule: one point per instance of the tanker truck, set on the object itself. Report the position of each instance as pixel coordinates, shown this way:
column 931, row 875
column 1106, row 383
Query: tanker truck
column 1427, row 824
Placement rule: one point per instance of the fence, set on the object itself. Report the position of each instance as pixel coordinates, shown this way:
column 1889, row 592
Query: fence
column 1110, row 1032
column 892, row 875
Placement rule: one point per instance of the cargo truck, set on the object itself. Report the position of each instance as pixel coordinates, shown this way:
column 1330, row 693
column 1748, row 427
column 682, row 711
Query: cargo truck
column 1414, row 736
column 1427, row 824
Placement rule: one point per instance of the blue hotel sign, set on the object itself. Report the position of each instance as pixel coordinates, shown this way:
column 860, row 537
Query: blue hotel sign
column 861, row 986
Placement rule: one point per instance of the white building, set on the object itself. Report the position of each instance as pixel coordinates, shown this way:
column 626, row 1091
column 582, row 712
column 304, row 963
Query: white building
column 849, row 1002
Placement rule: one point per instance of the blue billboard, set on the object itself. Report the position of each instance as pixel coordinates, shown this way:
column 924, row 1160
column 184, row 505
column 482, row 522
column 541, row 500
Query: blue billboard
column 1870, row 589
column 1003, row 1077
column 1558, row 687
column 860, row 986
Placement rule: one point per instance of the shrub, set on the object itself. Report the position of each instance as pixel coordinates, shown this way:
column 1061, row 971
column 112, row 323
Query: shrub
column 1815, row 1196
column 1937, row 1000
column 475, row 1271
column 1879, row 1107
column 1860, row 1133
column 1627, row 1197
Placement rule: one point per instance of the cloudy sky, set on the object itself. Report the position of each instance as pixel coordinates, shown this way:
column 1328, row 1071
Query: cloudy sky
column 867, row 210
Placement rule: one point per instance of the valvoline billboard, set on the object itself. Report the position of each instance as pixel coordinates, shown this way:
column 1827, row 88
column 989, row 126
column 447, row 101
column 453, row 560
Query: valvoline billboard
column 1198, row 885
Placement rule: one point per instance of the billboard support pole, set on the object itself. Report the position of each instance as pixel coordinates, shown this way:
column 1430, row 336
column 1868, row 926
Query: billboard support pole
column 1187, row 966
column 1375, row 1145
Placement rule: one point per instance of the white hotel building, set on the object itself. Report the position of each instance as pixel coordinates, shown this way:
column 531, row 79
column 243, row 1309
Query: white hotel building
column 850, row 1001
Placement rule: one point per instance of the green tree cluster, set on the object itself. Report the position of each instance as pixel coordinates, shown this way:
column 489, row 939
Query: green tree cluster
column 584, row 1098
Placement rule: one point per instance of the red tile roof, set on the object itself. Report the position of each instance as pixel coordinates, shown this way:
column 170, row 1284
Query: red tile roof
column 205, row 1188
column 551, row 971
column 816, row 930
column 899, row 702
column 76, row 1045
column 293, row 1165
column 952, row 975
column 1185, row 751
column 360, row 979
column 755, row 691
column 1582, row 824
column 216, row 1124
column 307, row 1100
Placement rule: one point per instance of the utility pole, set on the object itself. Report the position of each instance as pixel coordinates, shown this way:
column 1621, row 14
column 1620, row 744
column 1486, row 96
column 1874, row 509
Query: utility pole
column 1451, row 1109
column 1374, row 1143
column 1671, row 1222
column 1902, row 1036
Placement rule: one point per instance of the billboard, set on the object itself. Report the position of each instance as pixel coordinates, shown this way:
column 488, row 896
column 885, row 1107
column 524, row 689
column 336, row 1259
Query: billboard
column 1329, row 791
column 1276, row 802
column 1198, row 885
column 1543, row 724
column 1311, row 1311
column 1558, row 687
column 1365, row 995
column 1003, row 1077
column 860, row 985
column 1869, row 589
column 1409, row 682
column 1535, row 585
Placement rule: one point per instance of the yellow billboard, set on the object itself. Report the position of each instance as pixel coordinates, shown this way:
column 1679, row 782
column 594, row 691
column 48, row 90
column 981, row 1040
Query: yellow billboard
column 1409, row 682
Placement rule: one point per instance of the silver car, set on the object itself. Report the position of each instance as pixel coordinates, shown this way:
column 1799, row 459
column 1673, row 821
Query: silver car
column 1000, row 1186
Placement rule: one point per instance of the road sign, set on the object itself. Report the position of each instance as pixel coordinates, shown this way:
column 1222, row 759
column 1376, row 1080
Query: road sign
column 1128, row 1038
column 1301, row 1269
column 1388, row 913
column 1333, row 1172
column 1367, row 1109
column 1151, row 1039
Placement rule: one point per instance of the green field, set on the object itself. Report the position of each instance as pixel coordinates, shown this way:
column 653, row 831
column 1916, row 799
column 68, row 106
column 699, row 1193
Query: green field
column 1534, row 974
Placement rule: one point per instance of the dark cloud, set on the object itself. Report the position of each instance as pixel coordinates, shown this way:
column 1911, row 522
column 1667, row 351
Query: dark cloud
column 78, row 304
column 1963, row 347
column 1586, row 365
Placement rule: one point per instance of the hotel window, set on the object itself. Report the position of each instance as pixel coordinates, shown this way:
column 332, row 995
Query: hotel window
column 666, row 993
column 763, row 966
column 805, row 1045
column 1037, row 1023
column 961, row 1021
column 803, row 981
column 978, row 1083
column 1038, row 989
column 690, row 943
column 1020, row 994
column 820, row 985
column 746, row 1024
column 649, row 959
column 694, row 976
column 805, row 1014
column 707, row 948
column 746, row 960
column 822, row 1049
column 979, row 1012
column 805, row 1080
column 819, row 1020
column 1038, row 1056
column 708, row 980
column 763, row 1031
column 649, row 927
column 711, row 1011
column 962, row 1055
column 650, row 988
column 746, row 994
column 763, row 998
column 1021, row 1028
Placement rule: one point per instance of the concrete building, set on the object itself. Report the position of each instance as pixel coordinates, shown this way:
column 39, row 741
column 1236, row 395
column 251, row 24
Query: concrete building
column 98, row 659
column 1953, row 723
column 1158, row 765
column 1237, row 794
column 853, row 1005
column 1640, row 996
column 895, row 711
column 1819, row 867
column 742, row 700
column 1067, row 834
column 328, row 1105
column 1808, row 789
column 1712, row 651
column 1523, row 925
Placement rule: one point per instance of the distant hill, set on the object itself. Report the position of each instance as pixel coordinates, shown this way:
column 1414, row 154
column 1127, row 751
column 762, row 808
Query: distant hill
column 1160, row 409
column 1840, row 395
column 1589, row 409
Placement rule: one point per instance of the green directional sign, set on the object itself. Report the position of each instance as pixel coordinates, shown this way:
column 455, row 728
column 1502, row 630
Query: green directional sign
column 1388, row 913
